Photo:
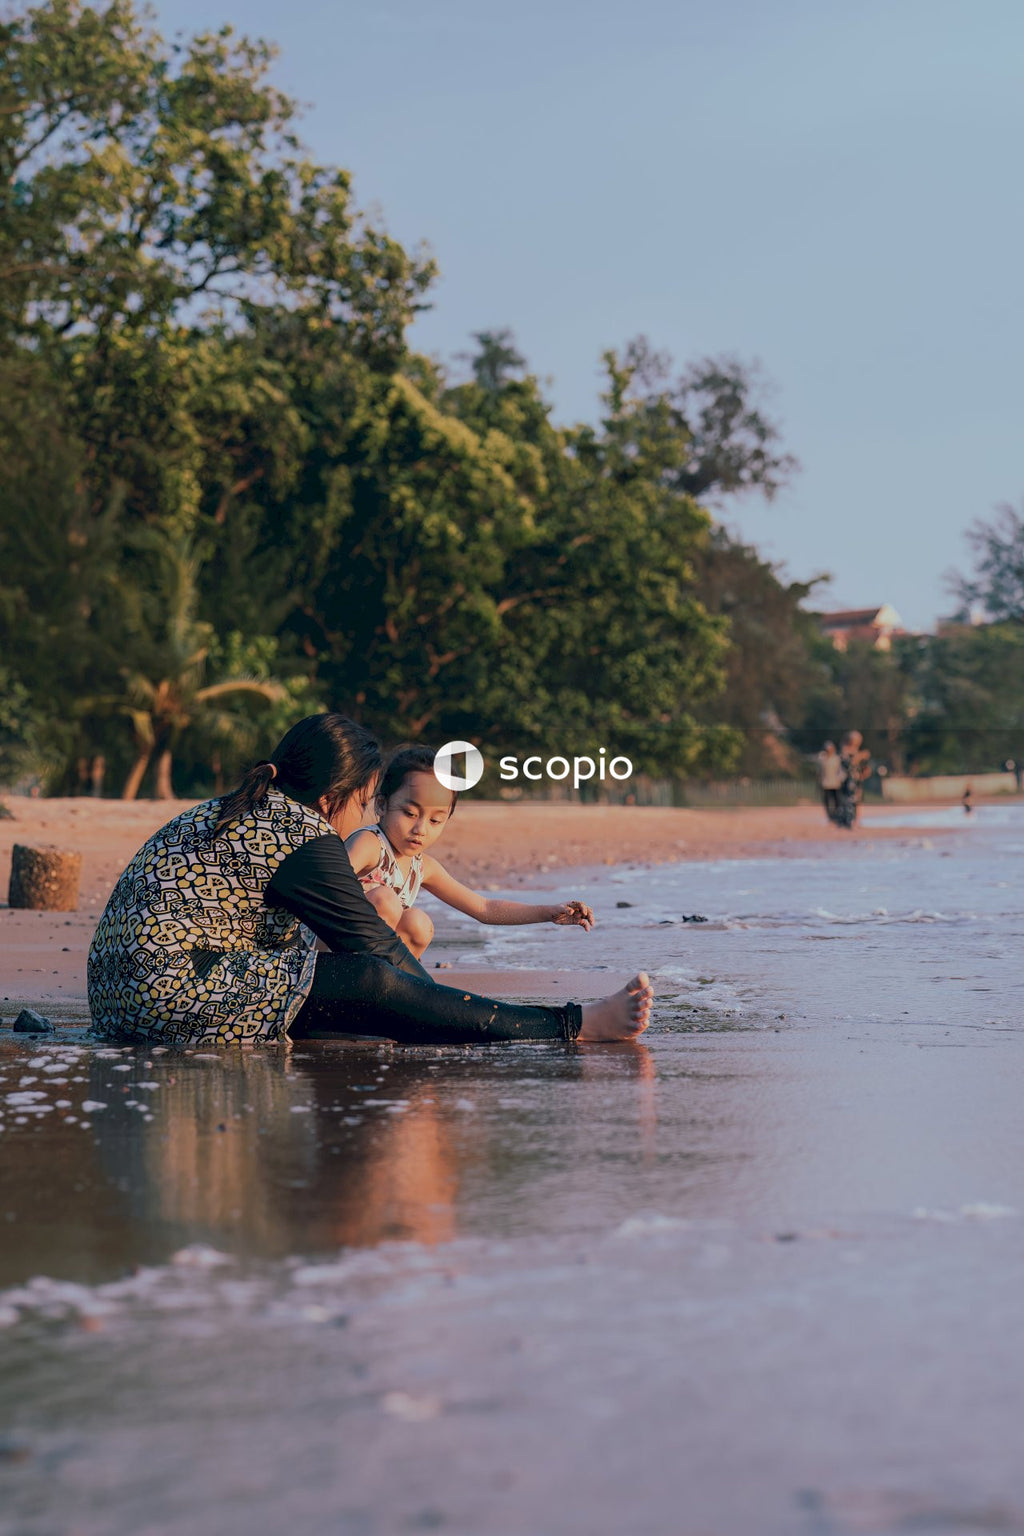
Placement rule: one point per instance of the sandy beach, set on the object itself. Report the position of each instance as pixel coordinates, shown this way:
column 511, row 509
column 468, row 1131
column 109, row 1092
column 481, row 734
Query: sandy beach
column 754, row 1275
column 490, row 845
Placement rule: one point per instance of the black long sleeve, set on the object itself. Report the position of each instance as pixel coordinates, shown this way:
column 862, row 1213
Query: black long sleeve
column 319, row 886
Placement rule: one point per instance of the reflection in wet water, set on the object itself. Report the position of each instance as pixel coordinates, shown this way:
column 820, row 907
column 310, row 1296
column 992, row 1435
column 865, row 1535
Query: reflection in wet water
column 266, row 1153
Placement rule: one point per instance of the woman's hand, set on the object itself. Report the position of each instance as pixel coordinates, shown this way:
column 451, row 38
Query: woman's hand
column 573, row 913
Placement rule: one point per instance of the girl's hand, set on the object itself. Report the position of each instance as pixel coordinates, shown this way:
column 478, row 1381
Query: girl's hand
column 573, row 913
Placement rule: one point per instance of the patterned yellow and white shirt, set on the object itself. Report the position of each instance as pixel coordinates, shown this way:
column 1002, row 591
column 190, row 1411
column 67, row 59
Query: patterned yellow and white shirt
column 187, row 951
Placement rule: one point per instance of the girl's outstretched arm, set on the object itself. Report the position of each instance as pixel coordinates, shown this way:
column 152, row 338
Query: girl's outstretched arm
column 453, row 893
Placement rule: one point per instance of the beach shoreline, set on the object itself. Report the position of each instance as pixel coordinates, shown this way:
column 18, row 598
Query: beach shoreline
column 404, row 1274
column 542, row 845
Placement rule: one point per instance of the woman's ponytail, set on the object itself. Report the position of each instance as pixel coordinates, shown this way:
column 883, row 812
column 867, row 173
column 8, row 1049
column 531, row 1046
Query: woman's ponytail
column 325, row 757
column 241, row 801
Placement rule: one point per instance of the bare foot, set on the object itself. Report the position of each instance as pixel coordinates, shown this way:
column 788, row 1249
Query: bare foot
column 622, row 1016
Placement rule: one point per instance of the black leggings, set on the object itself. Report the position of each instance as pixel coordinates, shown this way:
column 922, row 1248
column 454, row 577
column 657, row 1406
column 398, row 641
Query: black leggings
column 358, row 994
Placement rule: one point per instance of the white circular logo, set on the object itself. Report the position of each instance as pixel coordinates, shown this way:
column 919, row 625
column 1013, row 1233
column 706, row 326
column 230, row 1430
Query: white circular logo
column 458, row 765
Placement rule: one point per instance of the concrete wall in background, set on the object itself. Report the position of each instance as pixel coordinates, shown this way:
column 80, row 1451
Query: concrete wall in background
column 949, row 786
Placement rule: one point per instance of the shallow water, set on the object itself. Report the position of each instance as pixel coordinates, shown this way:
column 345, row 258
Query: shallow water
column 759, row 1273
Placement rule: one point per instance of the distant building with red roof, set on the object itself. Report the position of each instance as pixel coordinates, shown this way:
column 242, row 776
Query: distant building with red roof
column 876, row 626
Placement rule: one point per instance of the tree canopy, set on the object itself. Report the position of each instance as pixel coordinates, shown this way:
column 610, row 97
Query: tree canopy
column 231, row 490
column 996, row 584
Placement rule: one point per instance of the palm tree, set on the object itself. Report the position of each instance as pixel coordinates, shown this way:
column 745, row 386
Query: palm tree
column 165, row 691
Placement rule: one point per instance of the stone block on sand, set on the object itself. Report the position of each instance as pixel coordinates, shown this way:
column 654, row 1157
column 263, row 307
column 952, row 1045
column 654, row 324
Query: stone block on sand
column 44, row 879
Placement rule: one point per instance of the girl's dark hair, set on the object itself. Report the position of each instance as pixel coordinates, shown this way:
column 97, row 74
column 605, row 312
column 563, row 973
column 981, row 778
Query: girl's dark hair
column 402, row 762
column 322, row 755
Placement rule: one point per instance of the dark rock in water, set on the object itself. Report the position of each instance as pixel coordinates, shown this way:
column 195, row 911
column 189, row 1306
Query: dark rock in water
column 29, row 1022
column 694, row 917
column 623, row 903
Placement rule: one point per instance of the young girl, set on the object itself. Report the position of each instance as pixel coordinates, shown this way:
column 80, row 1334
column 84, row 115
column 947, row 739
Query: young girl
column 393, row 865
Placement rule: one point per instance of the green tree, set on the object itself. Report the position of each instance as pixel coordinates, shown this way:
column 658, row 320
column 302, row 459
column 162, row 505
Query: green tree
column 212, row 344
column 56, row 554
column 496, row 361
column 731, row 445
column 604, row 638
column 436, row 515
column 997, row 582
column 165, row 691
column 864, row 689
column 775, row 664
column 155, row 199
column 970, row 714
column 21, row 730
column 159, row 221
column 142, row 178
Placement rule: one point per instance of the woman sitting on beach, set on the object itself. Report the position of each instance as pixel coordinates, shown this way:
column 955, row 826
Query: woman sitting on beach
column 209, row 935
column 393, row 866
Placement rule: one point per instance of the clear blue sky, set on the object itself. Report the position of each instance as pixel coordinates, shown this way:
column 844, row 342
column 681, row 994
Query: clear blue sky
column 834, row 189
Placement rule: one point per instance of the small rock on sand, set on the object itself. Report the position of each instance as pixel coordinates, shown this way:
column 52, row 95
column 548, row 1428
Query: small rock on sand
column 29, row 1022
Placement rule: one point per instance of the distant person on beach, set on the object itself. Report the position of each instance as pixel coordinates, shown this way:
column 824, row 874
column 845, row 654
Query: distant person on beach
column 966, row 800
column 831, row 774
column 393, row 865
column 856, row 761
column 209, row 936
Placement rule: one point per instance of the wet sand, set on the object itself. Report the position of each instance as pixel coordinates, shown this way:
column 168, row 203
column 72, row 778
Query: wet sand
column 526, row 845
column 756, row 1275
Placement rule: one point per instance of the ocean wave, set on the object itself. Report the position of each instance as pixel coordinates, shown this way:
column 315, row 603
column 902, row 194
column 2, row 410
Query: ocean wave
column 702, row 993
column 883, row 917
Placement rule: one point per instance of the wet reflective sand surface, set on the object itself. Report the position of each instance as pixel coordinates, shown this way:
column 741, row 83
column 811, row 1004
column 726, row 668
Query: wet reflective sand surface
column 759, row 1273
